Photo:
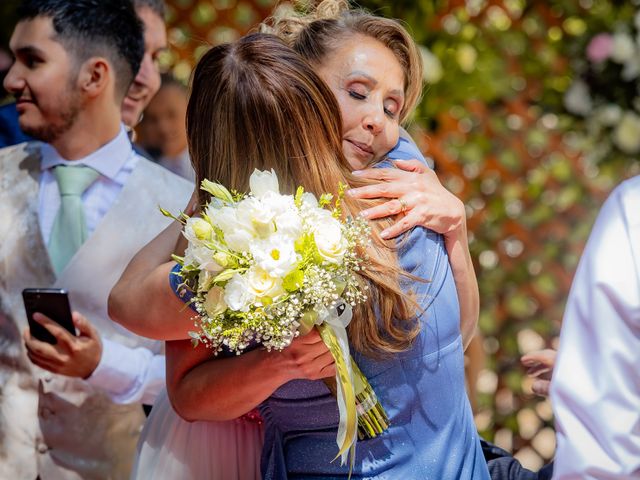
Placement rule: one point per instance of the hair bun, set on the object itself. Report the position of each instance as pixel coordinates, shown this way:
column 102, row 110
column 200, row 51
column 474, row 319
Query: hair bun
column 289, row 19
column 328, row 9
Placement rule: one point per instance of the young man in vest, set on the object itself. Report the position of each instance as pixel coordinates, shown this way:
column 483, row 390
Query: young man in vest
column 75, row 207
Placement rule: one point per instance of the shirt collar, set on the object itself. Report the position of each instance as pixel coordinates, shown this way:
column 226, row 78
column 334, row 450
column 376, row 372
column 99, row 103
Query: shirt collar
column 107, row 160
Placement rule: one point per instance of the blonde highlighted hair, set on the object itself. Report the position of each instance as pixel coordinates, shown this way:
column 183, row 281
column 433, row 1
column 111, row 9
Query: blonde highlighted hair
column 256, row 103
column 314, row 33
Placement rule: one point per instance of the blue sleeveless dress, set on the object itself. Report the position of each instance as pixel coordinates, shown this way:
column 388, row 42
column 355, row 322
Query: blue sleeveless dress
column 432, row 434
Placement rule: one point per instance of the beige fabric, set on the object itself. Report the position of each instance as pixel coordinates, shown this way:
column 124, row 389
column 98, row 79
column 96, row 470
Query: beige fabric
column 51, row 425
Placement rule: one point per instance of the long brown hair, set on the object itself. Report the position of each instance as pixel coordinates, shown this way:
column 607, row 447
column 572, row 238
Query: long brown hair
column 314, row 33
column 256, row 103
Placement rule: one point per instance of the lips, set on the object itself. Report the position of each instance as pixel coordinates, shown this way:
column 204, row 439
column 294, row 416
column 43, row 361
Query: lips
column 22, row 102
column 363, row 147
column 135, row 98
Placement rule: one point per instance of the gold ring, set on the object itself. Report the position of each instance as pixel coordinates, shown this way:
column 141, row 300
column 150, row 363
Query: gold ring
column 403, row 205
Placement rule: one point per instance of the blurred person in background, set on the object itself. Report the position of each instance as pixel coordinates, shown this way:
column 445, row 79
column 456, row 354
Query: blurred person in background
column 73, row 204
column 147, row 81
column 163, row 130
column 142, row 90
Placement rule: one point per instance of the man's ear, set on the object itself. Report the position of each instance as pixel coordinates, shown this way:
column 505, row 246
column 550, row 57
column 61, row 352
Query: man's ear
column 95, row 76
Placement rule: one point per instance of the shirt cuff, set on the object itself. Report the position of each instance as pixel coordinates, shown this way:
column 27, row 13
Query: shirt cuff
column 129, row 375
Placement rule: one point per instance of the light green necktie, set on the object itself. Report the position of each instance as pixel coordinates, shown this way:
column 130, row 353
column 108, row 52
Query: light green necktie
column 69, row 228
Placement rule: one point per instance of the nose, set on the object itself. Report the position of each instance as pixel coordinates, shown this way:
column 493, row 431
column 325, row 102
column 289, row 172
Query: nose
column 373, row 121
column 143, row 71
column 13, row 81
column 147, row 72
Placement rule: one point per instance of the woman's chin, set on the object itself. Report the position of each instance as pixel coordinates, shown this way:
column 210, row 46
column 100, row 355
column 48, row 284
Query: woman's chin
column 357, row 158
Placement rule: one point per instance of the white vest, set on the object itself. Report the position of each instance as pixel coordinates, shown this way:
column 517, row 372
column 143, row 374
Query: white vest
column 54, row 426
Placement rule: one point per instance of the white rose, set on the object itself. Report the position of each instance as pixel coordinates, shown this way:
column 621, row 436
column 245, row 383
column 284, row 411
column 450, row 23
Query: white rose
column 262, row 285
column 626, row 135
column 258, row 214
column 329, row 239
column 278, row 203
column 276, row 255
column 310, row 200
column 214, row 303
column 202, row 257
column 289, row 224
column 237, row 294
column 238, row 230
column 197, row 230
column 624, row 48
column 204, row 280
column 288, row 220
column 261, row 182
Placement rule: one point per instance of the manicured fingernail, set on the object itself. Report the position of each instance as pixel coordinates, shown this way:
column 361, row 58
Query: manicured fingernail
column 351, row 193
column 364, row 214
column 384, row 234
column 357, row 172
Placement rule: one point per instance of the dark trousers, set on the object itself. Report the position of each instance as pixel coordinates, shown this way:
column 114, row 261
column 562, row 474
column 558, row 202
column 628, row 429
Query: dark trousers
column 502, row 465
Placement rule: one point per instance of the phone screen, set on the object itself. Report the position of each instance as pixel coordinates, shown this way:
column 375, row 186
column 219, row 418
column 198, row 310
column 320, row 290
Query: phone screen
column 54, row 303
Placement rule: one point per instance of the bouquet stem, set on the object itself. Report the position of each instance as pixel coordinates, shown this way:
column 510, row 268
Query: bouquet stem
column 372, row 418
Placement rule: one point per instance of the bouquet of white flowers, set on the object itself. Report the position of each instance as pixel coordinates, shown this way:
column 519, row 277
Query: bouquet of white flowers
column 265, row 267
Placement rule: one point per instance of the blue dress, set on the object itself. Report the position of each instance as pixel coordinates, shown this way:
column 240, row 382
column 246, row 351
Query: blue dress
column 432, row 434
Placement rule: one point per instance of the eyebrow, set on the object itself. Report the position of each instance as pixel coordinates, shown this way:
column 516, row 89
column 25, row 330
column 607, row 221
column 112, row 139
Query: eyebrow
column 360, row 73
column 29, row 50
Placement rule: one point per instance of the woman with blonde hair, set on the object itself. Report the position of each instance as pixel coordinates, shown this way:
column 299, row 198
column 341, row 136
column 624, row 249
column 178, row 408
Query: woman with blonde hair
column 356, row 54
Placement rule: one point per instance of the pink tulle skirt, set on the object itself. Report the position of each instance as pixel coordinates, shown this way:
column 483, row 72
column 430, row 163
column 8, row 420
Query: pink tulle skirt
column 172, row 448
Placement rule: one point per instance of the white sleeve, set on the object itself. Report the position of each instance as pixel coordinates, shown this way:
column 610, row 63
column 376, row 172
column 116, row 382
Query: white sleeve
column 595, row 389
column 129, row 375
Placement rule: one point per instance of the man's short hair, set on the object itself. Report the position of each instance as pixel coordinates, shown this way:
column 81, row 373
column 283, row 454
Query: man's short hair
column 156, row 6
column 88, row 28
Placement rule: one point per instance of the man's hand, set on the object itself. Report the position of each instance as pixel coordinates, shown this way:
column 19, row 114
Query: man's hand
column 540, row 365
column 71, row 356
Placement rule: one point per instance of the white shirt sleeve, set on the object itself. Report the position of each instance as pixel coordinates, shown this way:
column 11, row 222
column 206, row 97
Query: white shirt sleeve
column 595, row 389
column 129, row 375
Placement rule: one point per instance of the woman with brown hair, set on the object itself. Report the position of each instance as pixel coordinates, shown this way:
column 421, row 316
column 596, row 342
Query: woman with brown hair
column 257, row 104
column 357, row 54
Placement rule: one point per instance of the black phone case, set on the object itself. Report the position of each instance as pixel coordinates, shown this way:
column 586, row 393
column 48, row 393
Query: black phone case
column 52, row 302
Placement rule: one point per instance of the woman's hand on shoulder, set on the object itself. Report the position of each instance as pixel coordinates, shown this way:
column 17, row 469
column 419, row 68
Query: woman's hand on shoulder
column 415, row 192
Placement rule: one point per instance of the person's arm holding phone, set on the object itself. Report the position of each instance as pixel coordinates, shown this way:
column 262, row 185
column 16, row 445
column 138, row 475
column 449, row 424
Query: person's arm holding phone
column 51, row 338
column 125, row 374
column 73, row 356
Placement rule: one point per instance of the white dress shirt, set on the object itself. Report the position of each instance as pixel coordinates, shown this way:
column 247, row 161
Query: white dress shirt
column 126, row 374
column 595, row 389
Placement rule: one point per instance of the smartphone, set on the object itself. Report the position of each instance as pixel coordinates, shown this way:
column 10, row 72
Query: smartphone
column 52, row 302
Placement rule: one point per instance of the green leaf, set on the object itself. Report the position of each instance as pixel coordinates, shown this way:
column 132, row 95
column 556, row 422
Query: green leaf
column 293, row 281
